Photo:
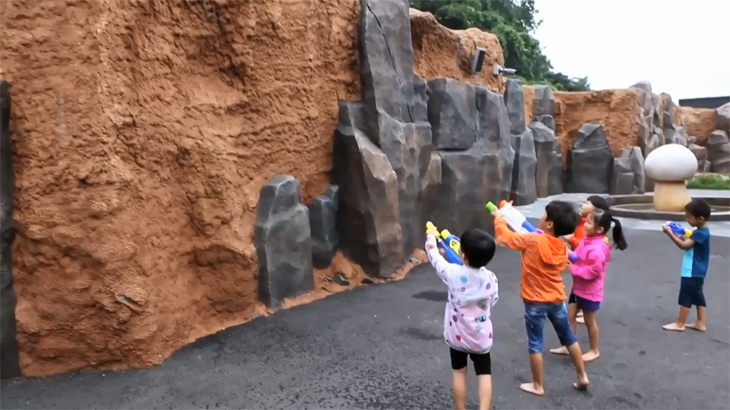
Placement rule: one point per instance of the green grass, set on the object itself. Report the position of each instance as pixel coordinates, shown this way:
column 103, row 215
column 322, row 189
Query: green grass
column 710, row 181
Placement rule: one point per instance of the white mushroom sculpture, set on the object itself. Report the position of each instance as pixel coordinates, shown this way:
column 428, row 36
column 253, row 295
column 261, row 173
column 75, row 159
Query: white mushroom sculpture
column 671, row 166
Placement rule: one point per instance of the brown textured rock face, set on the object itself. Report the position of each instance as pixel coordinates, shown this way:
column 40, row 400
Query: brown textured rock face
column 699, row 122
column 143, row 132
column 441, row 52
column 616, row 110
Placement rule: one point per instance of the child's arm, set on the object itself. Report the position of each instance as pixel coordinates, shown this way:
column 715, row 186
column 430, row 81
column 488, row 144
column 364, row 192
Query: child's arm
column 437, row 261
column 591, row 267
column 493, row 289
column 505, row 236
column 682, row 242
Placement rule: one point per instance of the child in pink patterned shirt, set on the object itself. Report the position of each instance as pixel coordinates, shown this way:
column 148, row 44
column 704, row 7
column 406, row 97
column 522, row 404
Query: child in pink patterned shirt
column 473, row 291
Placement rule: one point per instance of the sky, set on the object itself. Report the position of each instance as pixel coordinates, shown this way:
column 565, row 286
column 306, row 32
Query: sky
column 680, row 47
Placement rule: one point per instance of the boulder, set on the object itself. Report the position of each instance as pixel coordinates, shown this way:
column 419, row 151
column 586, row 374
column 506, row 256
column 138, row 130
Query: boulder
column 386, row 60
column 549, row 167
column 543, row 102
column 283, row 242
column 590, row 163
column 701, row 155
column 523, row 189
column 452, row 114
column 628, row 172
column 667, row 111
column 548, row 120
column 644, row 86
column 430, row 183
column 675, row 135
column 514, row 99
column 8, row 341
column 368, row 215
column 718, row 151
column 722, row 119
column 657, row 114
column 482, row 173
column 420, row 99
column 323, row 226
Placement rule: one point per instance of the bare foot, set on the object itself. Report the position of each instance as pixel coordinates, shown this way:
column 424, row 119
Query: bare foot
column 530, row 388
column 582, row 383
column 590, row 356
column 673, row 327
column 695, row 326
column 580, row 319
column 562, row 350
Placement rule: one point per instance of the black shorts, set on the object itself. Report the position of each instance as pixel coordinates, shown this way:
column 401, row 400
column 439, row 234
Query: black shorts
column 482, row 362
column 691, row 292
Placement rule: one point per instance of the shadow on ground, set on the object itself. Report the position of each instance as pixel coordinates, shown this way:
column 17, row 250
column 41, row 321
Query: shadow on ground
column 380, row 347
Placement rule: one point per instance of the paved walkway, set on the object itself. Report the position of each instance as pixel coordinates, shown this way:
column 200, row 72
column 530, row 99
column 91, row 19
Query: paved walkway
column 380, row 347
column 718, row 228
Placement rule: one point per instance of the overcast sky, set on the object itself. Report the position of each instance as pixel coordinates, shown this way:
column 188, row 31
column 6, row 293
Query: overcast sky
column 681, row 47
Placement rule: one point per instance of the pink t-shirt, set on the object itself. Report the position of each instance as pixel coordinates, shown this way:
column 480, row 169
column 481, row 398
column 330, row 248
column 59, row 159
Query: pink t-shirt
column 589, row 270
column 472, row 294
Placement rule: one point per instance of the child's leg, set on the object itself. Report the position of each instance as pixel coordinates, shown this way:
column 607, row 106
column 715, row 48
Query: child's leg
column 699, row 301
column 592, row 353
column 687, row 290
column 483, row 369
column 558, row 316
column 572, row 319
column 534, row 324
column 458, row 377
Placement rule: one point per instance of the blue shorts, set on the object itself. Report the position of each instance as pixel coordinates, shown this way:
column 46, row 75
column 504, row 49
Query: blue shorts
column 535, row 314
column 691, row 292
column 583, row 303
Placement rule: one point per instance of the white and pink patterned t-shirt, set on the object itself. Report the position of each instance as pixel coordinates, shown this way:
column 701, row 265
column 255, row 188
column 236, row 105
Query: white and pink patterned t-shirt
column 472, row 294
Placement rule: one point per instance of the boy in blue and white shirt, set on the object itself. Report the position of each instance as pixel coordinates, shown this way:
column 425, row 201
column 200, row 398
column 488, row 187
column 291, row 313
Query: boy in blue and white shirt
column 696, row 259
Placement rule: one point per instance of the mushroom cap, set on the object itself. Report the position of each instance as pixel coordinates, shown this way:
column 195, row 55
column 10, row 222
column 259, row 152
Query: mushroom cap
column 671, row 163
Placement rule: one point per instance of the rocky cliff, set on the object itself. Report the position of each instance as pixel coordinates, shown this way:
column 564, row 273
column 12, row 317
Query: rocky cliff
column 181, row 165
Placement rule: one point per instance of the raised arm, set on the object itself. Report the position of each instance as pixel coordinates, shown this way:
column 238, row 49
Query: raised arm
column 505, row 236
column 437, row 261
column 591, row 267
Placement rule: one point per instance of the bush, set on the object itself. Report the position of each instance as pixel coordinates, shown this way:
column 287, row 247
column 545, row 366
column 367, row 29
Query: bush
column 710, row 181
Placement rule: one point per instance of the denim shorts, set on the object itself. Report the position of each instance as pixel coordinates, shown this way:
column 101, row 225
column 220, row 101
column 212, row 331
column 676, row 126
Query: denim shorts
column 535, row 315
column 691, row 292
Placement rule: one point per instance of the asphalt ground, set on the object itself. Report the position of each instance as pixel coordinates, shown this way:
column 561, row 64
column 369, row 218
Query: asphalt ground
column 381, row 347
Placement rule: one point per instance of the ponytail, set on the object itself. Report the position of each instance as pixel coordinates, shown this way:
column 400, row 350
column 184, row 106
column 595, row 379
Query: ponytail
column 618, row 235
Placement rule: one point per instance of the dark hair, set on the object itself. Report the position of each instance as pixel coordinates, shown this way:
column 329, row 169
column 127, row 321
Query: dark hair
column 563, row 216
column 599, row 202
column 478, row 247
column 603, row 219
column 698, row 208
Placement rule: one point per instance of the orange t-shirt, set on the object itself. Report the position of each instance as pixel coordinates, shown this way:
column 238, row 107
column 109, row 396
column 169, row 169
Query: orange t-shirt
column 579, row 234
column 543, row 259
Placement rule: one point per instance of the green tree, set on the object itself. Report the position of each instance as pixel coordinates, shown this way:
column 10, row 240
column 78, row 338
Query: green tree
column 514, row 23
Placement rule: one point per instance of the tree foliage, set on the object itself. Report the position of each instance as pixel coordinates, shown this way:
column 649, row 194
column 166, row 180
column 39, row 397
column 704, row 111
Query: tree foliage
column 514, row 23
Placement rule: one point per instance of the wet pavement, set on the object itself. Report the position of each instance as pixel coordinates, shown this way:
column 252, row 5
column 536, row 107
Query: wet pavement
column 381, row 347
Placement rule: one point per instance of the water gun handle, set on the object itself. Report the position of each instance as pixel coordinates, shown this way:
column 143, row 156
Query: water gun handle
column 678, row 229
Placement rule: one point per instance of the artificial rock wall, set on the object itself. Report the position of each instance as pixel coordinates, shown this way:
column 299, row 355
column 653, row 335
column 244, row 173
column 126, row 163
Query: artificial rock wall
column 168, row 154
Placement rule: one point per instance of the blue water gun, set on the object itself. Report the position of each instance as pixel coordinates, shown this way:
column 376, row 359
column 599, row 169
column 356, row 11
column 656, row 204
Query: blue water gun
column 678, row 229
column 452, row 241
column 449, row 254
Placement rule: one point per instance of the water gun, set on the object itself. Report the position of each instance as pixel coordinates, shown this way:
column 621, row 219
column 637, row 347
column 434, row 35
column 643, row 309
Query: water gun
column 518, row 222
column 449, row 254
column 678, row 229
column 452, row 241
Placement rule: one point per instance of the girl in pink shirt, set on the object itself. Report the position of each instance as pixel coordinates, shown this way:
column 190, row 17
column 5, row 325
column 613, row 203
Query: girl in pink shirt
column 588, row 271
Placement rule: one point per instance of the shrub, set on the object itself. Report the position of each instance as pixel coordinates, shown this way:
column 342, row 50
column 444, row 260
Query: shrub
column 710, row 181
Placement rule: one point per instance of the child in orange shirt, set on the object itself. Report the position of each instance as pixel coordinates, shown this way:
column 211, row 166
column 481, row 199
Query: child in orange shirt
column 544, row 257
column 592, row 203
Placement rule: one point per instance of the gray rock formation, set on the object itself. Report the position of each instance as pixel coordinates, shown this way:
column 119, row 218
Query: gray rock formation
column 514, row 99
column 8, row 342
column 368, row 216
column 548, row 120
column 590, row 163
column 482, row 173
column 430, row 183
column 386, row 60
column 543, row 102
column 628, row 172
column 718, row 152
column 420, row 100
column 722, row 120
column 283, row 242
column 523, row 189
column 452, row 114
column 323, row 227
column 549, row 161
column 701, row 155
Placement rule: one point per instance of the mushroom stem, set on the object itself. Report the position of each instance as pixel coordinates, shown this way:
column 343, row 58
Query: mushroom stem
column 670, row 196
